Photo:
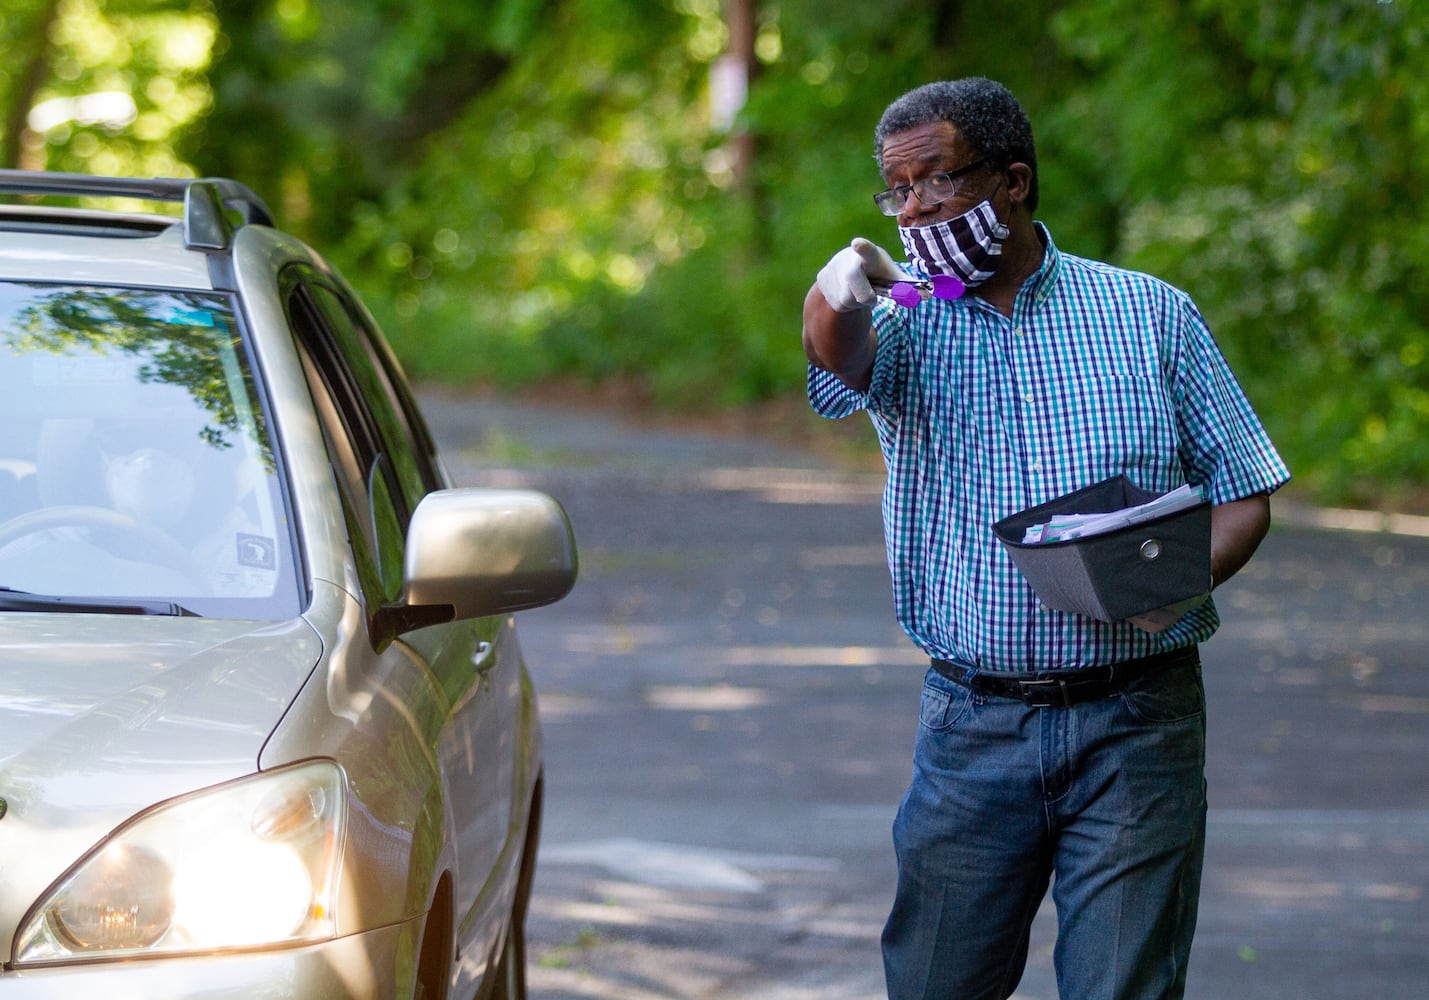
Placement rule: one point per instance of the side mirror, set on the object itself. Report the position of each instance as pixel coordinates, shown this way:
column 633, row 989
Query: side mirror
column 487, row 552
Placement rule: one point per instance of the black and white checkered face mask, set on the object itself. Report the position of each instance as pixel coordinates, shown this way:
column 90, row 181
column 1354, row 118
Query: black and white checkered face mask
column 969, row 246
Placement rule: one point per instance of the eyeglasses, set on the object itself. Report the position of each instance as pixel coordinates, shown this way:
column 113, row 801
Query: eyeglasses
column 930, row 191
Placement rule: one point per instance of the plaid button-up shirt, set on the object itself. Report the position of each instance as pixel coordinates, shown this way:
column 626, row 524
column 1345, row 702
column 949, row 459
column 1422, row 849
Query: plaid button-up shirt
column 1099, row 372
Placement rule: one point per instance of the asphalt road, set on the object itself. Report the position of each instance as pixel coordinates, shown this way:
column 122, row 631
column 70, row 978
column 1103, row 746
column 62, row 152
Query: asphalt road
column 729, row 710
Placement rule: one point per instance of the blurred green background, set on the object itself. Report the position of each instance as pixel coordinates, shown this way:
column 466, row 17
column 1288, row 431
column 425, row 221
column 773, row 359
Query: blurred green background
column 572, row 192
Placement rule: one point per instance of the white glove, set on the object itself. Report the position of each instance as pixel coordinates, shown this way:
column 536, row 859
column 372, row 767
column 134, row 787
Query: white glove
column 844, row 280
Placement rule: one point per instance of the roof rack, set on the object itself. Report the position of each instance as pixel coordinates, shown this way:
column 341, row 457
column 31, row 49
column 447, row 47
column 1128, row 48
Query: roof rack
column 208, row 201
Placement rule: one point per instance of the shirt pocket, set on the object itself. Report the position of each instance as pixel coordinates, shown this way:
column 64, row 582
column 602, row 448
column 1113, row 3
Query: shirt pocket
column 1114, row 425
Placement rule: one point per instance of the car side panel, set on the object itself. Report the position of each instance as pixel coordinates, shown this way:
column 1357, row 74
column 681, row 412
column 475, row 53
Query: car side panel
column 379, row 715
column 483, row 749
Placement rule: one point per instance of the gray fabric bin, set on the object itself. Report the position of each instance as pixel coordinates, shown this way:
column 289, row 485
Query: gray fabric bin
column 1158, row 569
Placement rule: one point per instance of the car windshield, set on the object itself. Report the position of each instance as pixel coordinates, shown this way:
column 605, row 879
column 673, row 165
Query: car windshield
column 136, row 467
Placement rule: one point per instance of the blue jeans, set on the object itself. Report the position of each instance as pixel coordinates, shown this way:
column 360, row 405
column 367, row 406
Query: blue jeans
column 1108, row 796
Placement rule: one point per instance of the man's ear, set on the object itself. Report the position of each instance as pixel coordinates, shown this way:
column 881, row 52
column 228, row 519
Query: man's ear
column 1019, row 182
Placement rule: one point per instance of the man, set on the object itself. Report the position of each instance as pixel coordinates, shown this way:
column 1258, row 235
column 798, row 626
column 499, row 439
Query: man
column 1049, row 374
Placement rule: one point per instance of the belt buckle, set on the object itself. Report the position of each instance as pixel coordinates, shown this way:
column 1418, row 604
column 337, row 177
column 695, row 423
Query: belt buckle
column 1046, row 692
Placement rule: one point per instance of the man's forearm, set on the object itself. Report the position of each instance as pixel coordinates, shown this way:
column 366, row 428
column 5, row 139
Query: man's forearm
column 1236, row 531
column 840, row 342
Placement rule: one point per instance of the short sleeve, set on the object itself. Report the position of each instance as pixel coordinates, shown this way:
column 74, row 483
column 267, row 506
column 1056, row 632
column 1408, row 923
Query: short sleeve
column 1224, row 447
column 831, row 398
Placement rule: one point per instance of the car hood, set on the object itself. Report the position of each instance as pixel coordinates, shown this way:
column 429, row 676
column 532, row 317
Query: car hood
column 102, row 716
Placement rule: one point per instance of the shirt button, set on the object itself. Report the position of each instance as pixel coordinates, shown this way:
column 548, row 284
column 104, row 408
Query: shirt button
column 1017, row 331
column 1027, row 397
column 1036, row 466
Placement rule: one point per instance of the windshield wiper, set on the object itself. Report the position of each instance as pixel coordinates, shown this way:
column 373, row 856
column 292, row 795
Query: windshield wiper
column 22, row 600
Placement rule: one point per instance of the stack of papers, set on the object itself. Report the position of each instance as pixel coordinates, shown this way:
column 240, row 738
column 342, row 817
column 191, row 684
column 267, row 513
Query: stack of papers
column 1065, row 527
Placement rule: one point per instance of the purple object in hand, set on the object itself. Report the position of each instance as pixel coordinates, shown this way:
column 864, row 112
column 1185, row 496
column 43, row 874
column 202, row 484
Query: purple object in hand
column 947, row 286
column 905, row 295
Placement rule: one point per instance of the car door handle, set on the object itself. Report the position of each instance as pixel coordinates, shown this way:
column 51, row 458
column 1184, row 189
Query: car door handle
column 481, row 658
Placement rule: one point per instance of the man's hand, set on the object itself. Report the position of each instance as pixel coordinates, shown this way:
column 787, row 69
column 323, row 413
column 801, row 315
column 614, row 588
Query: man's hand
column 1237, row 528
column 844, row 280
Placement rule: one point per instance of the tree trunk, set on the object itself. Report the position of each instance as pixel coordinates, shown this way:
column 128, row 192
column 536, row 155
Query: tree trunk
column 28, row 81
column 740, row 18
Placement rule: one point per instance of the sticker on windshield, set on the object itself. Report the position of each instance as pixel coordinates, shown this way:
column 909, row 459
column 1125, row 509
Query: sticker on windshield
column 257, row 551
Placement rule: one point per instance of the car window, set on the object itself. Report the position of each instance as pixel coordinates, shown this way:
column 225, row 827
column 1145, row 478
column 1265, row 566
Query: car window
column 380, row 393
column 379, row 447
column 136, row 460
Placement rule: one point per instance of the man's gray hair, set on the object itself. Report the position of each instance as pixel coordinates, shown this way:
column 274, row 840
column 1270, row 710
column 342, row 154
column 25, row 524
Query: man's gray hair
column 983, row 111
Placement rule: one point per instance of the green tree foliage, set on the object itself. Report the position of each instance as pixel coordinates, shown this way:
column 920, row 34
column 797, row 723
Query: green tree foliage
column 327, row 104
column 540, row 215
column 102, row 85
column 529, row 189
column 1269, row 167
column 1334, row 195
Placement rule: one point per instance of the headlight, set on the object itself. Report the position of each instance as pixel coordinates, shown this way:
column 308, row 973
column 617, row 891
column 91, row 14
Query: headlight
column 252, row 863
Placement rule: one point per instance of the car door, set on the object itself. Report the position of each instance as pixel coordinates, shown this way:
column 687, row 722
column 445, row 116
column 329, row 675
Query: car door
column 392, row 467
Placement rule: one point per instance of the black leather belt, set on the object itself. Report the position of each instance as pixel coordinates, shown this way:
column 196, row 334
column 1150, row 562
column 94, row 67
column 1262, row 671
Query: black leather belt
column 1059, row 688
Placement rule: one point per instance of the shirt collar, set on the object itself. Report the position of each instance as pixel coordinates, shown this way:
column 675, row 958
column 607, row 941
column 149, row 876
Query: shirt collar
column 1042, row 283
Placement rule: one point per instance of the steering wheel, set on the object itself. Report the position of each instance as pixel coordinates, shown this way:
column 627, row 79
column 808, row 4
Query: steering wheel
column 154, row 542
